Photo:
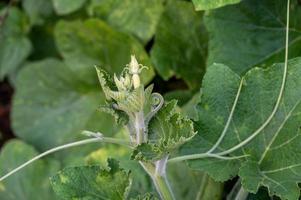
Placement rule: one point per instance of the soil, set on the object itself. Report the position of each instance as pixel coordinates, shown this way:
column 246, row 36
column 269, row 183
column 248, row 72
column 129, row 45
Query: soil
column 6, row 92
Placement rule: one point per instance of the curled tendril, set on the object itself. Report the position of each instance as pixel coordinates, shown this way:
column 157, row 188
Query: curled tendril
column 157, row 103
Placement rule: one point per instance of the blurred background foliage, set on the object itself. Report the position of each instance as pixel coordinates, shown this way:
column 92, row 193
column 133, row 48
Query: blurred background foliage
column 50, row 93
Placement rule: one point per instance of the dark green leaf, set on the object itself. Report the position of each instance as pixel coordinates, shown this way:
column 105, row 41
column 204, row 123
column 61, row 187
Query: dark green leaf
column 31, row 182
column 92, row 182
column 180, row 43
column 252, row 33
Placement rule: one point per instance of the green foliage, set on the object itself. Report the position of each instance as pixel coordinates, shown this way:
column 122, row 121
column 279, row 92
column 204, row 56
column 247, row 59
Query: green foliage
column 24, row 185
column 252, row 33
column 57, row 106
column 188, row 49
column 15, row 46
column 268, row 161
column 92, row 182
column 122, row 15
column 63, row 7
column 209, row 4
column 38, row 11
column 84, row 44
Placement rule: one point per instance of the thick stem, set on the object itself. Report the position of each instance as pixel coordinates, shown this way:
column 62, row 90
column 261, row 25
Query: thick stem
column 140, row 128
column 163, row 188
column 160, row 181
column 242, row 194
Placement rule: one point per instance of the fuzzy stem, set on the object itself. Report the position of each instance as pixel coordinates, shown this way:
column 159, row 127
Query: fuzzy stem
column 160, row 181
column 141, row 137
column 242, row 194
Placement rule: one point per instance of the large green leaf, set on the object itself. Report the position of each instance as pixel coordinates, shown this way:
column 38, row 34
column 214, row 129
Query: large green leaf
column 63, row 7
column 31, row 182
column 252, row 33
column 37, row 11
column 167, row 131
column 138, row 17
column 180, row 43
column 93, row 42
column 53, row 104
column 92, row 182
column 273, row 154
column 211, row 4
column 14, row 45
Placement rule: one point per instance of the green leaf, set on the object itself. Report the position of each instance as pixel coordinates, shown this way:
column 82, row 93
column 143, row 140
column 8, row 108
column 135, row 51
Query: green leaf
column 189, row 109
column 37, row 11
column 31, row 182
column 273, row 155
column 180, row 43
column 146, row 196
column 191, row 184
column 141, row 182
column 92, row 182
column 93, row 42
column 137, row 17
column 167, row 131
column 15, row 46
column 40, row 37
column 209, row 4
column 252, row 33
column 53, row 104
column 64, row 7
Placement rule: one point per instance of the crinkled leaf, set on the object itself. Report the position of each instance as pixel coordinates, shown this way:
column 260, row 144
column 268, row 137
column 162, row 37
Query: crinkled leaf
column 37, row 11
column 137, row 17
column 167, row 131
column 93, row 42
column 180, row 43
column 14, row 46
column 141, row 182
column 31, row 182
column 53, row 104
column 252, row 32
column 211, row 4
column 63, row 7
column 92, row 182
column 273, row 156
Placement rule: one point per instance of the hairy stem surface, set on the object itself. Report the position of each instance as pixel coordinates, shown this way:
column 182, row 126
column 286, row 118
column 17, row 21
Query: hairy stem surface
column 160, row 181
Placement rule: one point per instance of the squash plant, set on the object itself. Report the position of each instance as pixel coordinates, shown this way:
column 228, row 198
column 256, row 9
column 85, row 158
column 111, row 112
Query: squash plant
column 246, row 122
